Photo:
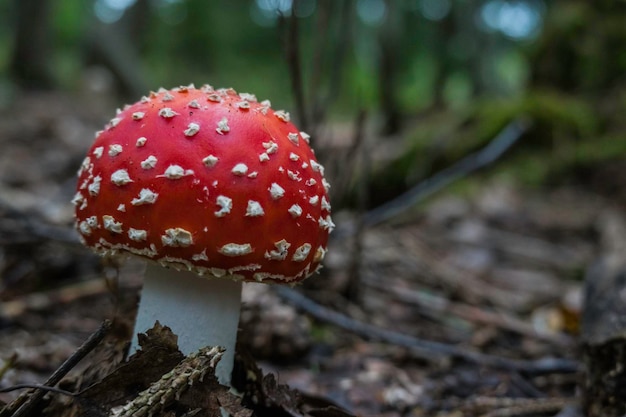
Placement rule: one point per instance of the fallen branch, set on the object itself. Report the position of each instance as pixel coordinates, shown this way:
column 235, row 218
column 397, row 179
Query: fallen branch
column 424, row 349
column 490, row 153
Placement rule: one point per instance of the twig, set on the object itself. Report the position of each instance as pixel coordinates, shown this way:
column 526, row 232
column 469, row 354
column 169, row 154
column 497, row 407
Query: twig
column 39, row 387
column 27, row 402
column 424, row 349
column 490, row 153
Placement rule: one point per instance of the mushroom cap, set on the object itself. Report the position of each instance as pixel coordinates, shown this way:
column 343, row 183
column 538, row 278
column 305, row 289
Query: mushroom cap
column 209, row 181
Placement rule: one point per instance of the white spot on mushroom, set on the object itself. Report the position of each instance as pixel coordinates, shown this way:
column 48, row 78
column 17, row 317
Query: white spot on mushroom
column 326, row 223
column 78, row 198
column 167, row 113
column 240, row 169
column 98, row 152
column 140, row 142
column 121, row 207
column 85, row 165
column 111, row 225
column 254, row 209
column 120, row 177
column 174, row 172
column 247, row 96
column 270, row 147
column 281, row 251
column 217, row 272
column 235, row 249
column 87, row 225
column 138, row 115
column 264, row 157
column 293, row 156
column 177, row 237
column 282, row 115
column 210, row 160
column 192, row 129
column 320, row 253
column 325, row 204
column 226, row 205
column 222, row 126
column 317, row 167
column 194, row 104
column 305, row 165
column 301, row 253
column 310, row 182
column 94, row 187
column 146, row 196
column 306, row 137
column 295, row 211
column 137, row 234
column 294, row 138
column 243, row 105
column 294, row 175
column 115, row 121
column 144, row 100
column 115, row 150
column 314, row 200
column 265, row 106
column 325, row 184
column 214, row 97
column 253, row 174
column 167, row 97
column 149, row 162
column 202, row 256
column 276, row 191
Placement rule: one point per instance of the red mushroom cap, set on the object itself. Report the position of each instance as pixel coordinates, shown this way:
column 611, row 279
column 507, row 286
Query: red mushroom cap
column 209, row 181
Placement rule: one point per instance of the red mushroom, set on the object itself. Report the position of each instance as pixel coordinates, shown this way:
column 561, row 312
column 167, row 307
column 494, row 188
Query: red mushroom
column 214, row 188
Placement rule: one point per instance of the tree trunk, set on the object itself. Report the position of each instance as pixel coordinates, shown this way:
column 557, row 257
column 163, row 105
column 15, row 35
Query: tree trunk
column 30, row 65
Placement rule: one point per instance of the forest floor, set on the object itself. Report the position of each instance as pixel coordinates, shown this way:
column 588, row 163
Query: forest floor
column 495, row 279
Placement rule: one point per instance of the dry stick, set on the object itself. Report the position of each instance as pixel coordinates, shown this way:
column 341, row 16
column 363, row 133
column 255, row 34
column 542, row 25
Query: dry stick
column 27, row 403
column 424, row 349
column 500, row 144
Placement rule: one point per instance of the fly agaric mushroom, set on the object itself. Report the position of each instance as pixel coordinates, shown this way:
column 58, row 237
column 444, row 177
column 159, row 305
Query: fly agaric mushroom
column 214, row 188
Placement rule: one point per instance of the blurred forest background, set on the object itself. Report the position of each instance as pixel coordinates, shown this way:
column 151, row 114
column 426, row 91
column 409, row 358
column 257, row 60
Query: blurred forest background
column 402, row 98
column 447, row 74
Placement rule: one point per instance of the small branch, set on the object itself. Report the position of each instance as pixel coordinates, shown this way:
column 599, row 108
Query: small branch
column 38, row 387
column 424, row 349
column 27, row 402
column 490, row 153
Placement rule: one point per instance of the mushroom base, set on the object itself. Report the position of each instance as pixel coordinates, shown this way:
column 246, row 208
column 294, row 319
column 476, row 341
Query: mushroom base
column 200, row 311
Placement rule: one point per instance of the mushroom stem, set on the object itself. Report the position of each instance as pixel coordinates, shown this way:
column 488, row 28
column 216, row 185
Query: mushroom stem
column 201, row 311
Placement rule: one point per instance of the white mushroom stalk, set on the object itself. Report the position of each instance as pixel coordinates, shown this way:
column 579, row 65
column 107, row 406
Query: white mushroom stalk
column 200, row 311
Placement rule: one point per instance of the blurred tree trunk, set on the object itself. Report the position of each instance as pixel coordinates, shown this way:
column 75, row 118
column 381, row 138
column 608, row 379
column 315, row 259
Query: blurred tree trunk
column 388, row 70
column 116, row 47
column 30, row 65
